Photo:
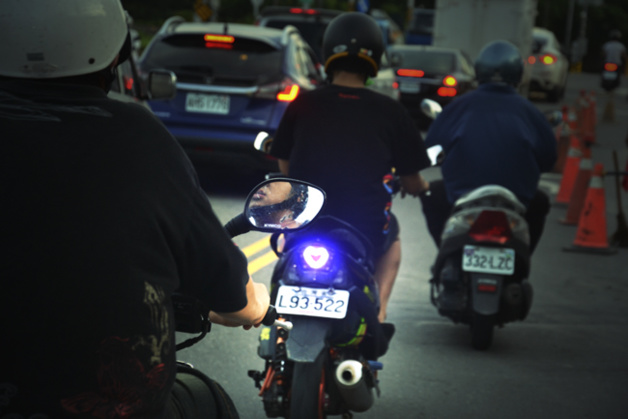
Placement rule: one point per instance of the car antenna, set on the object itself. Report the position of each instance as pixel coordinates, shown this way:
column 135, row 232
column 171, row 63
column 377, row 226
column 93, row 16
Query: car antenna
column 226, row 29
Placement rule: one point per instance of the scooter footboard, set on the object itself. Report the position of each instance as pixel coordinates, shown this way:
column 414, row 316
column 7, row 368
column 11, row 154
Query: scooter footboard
column 486, row 291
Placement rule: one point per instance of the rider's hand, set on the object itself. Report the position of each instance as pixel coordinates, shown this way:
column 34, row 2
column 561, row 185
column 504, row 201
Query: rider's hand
column 252, row 314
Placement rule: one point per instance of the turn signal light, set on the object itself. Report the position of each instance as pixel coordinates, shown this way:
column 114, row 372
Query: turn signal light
column 548, row 59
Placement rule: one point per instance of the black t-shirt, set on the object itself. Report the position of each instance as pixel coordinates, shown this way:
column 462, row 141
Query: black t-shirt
column 102, row 218
column 347, row 140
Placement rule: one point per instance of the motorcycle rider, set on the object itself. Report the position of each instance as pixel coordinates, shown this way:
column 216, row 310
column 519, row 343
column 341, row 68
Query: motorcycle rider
column 614, row 51
column 492, row 136
column 103, row 219
column 346, row 139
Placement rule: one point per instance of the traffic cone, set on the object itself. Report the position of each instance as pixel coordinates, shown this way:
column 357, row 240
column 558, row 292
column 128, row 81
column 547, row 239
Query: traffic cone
column 570, row 171
column 579, row 191
column 591, row 236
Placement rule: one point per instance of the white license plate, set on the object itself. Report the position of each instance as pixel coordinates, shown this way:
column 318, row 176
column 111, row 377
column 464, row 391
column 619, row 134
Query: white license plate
column 609, row 75
column 488, row 260
column 409, row 87
column 313, row 302
column 198, row 102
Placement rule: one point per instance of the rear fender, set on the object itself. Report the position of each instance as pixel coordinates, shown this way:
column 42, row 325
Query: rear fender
column 307, row 338
column 486, row 291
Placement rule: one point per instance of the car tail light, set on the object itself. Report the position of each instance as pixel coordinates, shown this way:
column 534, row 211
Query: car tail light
column 548, row 59
column 446, row 91
column 218, row 41
column 128, row 82
column 491, row 226
column 610, row 67
column 531, row 59
column 284, row 91
column 406, row 72
column 450, row 81
column 297, row 10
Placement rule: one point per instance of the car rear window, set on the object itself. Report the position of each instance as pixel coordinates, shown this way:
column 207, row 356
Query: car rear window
column 311, row 31
column 538, row 44
column 429, row 61
column 232, row 61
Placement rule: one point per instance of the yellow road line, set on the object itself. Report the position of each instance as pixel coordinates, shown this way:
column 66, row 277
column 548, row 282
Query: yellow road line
column 261, row 261
column 257, row 246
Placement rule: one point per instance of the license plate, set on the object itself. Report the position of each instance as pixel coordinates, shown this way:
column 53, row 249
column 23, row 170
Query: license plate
column 409, row 87
column 609, row 75
column 488, row 260
column 313, row 302
column 198, row 102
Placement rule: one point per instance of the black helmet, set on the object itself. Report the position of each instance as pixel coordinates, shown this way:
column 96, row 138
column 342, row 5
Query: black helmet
column 499, row 61
column 353, row 41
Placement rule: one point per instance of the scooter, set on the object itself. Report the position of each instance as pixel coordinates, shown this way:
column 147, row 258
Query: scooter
column 323, row 284
column 481, row 269
column 610, row 77
column 189, row 317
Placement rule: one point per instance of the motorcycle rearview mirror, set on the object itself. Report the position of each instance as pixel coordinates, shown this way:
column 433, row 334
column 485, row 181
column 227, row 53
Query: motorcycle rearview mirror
column 436, row 154
column 278, row 204
column 262, row 142
column 431, row 108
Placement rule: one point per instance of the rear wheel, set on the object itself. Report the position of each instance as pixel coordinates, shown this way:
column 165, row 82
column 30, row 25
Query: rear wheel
column 482, row 331
column 307, row 400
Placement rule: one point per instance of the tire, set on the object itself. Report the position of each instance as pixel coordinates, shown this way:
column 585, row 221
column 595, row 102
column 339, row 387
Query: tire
column 308, row 389
column 482, row 331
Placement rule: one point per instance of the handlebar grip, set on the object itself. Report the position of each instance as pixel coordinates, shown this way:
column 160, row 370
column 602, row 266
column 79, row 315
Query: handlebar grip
column 270, row 317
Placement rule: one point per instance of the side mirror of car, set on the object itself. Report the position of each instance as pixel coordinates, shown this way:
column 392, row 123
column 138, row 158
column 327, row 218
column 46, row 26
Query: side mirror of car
column 162, row 84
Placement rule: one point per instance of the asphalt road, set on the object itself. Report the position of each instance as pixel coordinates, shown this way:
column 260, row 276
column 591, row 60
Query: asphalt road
column 568, row 359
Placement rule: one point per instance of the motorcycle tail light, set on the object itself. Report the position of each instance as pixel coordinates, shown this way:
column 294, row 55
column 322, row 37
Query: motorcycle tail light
column 610, row 67
column 491, row 226
column 487, row 285
column 548, row 59
column 316, row 257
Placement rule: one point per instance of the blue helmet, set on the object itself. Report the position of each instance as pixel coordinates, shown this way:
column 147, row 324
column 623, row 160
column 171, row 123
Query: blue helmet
column 499, row 62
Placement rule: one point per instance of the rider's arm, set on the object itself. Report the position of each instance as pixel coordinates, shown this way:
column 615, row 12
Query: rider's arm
column 284, row 166
column 252, row 314
column 413, row 184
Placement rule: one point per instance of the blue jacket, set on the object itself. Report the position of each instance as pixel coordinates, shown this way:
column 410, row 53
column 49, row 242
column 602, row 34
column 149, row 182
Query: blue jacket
column 493, row 136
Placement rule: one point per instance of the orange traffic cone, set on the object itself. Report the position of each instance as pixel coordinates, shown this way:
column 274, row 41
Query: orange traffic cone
column 570, row 171
column 591, row 235
column 579, row 191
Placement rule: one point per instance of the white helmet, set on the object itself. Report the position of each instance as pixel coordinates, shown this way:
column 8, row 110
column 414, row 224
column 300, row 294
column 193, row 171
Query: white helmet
column 59, row 38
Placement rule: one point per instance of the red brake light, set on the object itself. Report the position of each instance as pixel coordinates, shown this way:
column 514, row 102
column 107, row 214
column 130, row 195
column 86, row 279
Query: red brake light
column 404, row 72
column 450, row 81
column 218, row 41
column 297, row 10
column 531, row 59
column 491, row 226
column 289, row 93
column 548, row 59
column 446, row 91
column 128, row 82
column 610, row 67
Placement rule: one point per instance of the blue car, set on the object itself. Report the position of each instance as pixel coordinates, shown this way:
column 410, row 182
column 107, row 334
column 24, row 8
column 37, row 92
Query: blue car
column 233, row 81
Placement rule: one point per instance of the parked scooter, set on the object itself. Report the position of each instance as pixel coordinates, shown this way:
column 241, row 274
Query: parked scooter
column 323, row 284
column 610, row 77
column 480, row 273
column 264, row 209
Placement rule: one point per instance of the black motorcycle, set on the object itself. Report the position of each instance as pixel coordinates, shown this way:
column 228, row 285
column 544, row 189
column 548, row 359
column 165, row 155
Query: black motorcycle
column 323, row 285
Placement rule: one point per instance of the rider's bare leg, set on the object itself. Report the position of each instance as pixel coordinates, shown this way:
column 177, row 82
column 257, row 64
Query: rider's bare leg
column 386, row 270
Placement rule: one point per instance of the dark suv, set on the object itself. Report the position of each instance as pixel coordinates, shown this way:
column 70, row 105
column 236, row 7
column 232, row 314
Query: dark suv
column 233, row 81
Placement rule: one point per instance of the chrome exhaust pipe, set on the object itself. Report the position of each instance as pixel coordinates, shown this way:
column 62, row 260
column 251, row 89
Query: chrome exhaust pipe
column 352, row 386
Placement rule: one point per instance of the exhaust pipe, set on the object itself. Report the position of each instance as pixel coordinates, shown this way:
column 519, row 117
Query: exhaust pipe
column 352, row 386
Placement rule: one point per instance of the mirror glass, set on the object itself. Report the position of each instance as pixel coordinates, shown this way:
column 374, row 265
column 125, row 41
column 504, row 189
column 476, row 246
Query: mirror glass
column 280, row 204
